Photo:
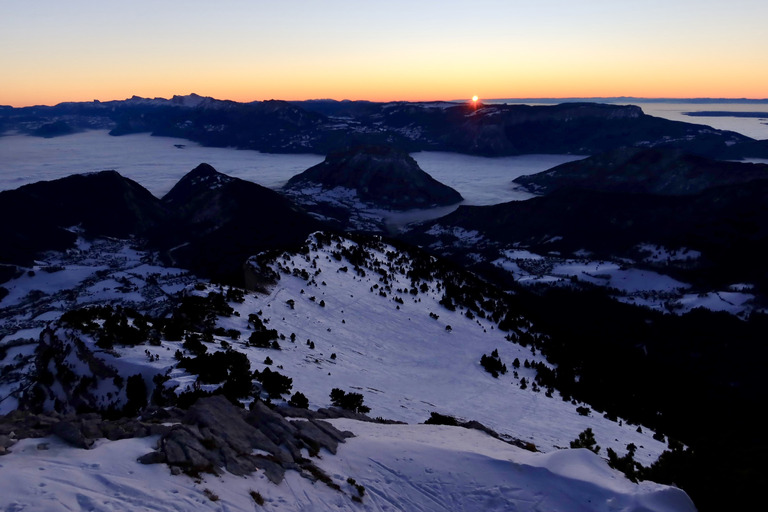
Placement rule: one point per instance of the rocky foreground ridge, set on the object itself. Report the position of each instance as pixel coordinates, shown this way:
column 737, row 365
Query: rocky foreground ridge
column 212, row 435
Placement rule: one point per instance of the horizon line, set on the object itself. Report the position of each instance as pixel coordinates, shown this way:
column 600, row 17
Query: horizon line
column 549, row 99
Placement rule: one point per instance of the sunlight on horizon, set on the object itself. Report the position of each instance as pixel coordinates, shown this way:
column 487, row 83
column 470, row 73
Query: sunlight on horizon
column 246, row 51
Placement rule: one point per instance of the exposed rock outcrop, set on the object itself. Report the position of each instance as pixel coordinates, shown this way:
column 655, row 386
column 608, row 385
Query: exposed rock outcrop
column 81, row 430
column 217, row 435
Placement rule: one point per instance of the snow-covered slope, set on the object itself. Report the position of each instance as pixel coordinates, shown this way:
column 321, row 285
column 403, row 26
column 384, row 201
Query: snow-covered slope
column 404, row 360
column 394, row 467
column 401, row 328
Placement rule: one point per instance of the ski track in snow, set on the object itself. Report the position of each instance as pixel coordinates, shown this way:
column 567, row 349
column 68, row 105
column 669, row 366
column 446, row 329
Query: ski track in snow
column 413, row 468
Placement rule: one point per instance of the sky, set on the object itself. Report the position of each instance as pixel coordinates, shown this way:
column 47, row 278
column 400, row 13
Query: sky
column 246, row 50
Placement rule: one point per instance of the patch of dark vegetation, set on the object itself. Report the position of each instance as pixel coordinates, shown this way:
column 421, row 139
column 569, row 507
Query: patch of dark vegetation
column 349, row 401
column 435, row 418
column 274, row 384
column 492, row 364
column 299, row 400
column 677, row 369
column 586, row 440
column 197, row 313
column 358, row 487
column 111, row 325
column 229, row 367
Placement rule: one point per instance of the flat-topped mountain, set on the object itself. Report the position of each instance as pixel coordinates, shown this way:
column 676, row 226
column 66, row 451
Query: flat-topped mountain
column 662, row 171
column 383, row 176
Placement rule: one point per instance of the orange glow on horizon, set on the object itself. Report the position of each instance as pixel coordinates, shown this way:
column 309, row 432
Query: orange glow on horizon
column 262, row 50
column 378, row 86
column 365, row 87
column 28, row 100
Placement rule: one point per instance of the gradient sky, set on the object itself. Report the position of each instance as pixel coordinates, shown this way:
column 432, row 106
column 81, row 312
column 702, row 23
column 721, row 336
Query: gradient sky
column 245, row 50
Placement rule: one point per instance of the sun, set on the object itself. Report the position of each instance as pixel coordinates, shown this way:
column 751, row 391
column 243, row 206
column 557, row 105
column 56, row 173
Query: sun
column 474, row 99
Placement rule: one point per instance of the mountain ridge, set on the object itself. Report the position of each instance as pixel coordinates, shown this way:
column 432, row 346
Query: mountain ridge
column 206, row 211
column 660, row 171
column 325, row 126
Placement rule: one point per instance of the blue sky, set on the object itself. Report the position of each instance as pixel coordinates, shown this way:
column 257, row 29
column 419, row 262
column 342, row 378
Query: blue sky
column 54, row 51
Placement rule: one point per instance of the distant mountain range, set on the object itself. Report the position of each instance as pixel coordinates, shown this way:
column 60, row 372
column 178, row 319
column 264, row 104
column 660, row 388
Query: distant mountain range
column 324, row 126
column 634, row 99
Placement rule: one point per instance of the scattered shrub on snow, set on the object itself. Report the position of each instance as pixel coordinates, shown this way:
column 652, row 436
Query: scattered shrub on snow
column 299, row 400
column 493, row 364
column 435, row 418
column 625, row 464
column 586, row 440
column 350, row 401
column 273, row 383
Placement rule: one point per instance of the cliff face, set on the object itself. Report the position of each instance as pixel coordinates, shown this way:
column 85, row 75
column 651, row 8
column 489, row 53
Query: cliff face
column 380, row 175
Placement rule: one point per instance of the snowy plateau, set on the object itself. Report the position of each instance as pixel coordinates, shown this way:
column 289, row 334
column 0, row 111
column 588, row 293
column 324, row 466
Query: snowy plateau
column 357, row 315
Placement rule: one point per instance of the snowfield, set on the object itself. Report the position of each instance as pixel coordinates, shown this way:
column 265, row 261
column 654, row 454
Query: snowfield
column 364, row 318
column 627, row 283
column 405, row 362
column 400, row 468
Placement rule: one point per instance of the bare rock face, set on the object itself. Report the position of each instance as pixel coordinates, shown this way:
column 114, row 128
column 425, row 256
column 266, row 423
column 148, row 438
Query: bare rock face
column 72, row 434
column 216, row 434
column 81, row 430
